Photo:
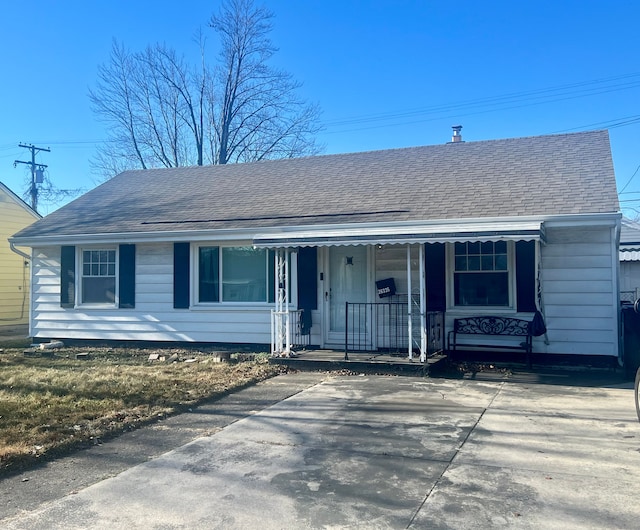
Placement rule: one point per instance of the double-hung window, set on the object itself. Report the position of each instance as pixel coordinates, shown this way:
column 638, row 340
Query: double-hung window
column 98, row 280
column 233, row 274
column 481, row 274
column 98, row 277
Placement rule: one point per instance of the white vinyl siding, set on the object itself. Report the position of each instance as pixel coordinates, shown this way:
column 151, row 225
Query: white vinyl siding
column 153, row 319
column 579, row 286
column 580, row 292
column 391, row 262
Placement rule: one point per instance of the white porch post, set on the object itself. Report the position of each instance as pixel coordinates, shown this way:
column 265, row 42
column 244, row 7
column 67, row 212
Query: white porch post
column 284, row 288
column 280, row 326
column 409, row 304
column 423, row 307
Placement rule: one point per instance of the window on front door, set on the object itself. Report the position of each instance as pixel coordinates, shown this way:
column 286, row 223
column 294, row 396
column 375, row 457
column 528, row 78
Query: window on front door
column 481, row 274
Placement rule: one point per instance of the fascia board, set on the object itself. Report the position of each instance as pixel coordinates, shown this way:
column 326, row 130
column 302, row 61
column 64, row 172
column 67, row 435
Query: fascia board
column 390, row 228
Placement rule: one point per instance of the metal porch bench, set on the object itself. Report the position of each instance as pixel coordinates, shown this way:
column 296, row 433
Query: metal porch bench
column 492, row 326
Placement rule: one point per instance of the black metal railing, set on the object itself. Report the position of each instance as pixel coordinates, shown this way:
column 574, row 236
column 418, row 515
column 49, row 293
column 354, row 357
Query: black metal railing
column 435, row 332
column 300, row 333
column 383, row 326
column 299, row 330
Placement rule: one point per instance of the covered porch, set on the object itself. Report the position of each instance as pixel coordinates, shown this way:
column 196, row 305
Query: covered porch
column 373, row 291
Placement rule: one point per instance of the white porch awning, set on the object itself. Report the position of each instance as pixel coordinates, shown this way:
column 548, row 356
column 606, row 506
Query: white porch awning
column 441, row 233
column 629, row 254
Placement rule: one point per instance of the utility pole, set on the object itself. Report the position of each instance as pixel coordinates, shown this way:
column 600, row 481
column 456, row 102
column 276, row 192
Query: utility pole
column 36, row 172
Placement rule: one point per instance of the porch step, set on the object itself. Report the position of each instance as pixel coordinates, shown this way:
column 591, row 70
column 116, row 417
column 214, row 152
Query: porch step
column 369, row 362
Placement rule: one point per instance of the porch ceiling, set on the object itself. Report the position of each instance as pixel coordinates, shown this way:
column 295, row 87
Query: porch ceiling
column 512, row 231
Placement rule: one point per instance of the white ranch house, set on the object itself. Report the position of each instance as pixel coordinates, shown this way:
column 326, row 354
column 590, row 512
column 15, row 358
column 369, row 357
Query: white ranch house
column 261, row 252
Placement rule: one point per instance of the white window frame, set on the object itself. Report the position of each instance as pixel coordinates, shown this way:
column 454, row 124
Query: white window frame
column 479, row 309
column 195, row 284
column 195, row 279
column 80, row 277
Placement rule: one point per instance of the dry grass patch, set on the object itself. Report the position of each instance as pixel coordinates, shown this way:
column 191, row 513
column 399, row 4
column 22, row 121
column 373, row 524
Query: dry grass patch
column 48, row 405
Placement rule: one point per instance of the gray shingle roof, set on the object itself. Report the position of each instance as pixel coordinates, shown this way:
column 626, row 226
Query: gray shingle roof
column 542, row 175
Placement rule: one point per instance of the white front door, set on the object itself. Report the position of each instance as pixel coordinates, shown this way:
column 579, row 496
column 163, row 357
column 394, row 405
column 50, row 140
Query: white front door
column 348, row 282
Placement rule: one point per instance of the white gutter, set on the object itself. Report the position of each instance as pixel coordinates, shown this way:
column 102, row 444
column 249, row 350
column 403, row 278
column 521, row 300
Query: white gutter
column 615, row 264
column 13, row 248
column 380, row 228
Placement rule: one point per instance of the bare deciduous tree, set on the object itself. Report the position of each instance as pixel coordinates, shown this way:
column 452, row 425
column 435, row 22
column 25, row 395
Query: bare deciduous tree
column 163, row 112
column 148, row 101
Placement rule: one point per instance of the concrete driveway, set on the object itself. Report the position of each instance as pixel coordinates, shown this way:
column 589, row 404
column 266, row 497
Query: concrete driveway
column 388, row 452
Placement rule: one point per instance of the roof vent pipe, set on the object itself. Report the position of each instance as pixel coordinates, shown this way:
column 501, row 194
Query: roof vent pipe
column 457, row 134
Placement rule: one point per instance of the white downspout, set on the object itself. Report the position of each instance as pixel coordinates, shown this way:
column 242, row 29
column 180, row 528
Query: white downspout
column 28, row 257
column 13, row 248
column 423, row 307
column 615, row 243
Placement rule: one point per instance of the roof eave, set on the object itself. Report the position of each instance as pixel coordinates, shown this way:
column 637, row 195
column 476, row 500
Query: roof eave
column 249, row 234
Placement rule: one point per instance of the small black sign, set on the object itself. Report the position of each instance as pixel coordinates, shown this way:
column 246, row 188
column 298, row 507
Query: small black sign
column 386, row 287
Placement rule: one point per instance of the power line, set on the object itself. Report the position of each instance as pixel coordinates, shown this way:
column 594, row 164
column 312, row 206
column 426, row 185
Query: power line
column 73, row 142
column 608, row 124
column 527, row 98
column 630, row 179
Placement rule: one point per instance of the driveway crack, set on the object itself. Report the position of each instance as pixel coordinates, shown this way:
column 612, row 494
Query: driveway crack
column 457, row 451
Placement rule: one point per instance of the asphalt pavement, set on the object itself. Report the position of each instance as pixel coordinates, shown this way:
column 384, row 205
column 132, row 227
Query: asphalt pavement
column 556, row 450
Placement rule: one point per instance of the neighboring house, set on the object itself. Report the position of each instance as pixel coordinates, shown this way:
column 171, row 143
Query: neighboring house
column 206, row 254
column 629, row 260
column 15, row 214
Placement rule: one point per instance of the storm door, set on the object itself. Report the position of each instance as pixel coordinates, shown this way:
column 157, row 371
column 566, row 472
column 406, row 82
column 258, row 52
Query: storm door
column 348, row 282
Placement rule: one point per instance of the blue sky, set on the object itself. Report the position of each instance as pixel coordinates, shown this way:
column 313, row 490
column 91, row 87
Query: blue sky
column 385, row 73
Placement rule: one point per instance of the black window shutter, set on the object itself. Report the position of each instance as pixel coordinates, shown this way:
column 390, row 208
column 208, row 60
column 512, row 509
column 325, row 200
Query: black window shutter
column 436, row 276
column 526, row 275
column 308, row 278
column 68, row 276
column 181, row 275
column 127, row 276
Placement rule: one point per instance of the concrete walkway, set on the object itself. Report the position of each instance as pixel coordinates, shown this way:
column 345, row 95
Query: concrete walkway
column 388, row 452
